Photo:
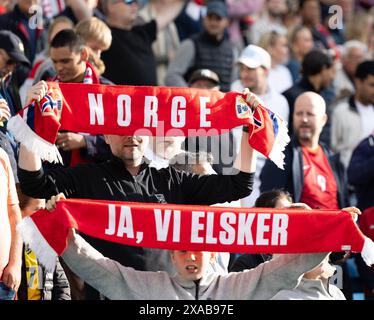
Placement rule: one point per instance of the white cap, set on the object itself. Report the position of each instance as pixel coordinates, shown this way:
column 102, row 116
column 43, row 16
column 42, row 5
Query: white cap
column 253, row 57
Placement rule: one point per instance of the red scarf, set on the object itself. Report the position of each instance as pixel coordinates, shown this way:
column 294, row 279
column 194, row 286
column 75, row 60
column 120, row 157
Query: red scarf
column 162, row 111
column 153, row 225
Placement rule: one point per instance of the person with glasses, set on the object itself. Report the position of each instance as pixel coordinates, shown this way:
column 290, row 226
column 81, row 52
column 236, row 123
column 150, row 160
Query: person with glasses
column 131, row 45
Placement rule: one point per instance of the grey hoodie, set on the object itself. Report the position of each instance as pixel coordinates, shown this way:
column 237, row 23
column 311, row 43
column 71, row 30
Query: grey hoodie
column 123, row 283
column 309, row 289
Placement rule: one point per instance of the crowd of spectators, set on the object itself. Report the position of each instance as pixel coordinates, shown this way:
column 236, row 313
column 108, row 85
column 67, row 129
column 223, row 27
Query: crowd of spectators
column 309, row 61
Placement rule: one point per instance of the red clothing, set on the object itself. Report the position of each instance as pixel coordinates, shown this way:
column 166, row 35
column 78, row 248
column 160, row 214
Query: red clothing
column 366, row 222
column 320, row 190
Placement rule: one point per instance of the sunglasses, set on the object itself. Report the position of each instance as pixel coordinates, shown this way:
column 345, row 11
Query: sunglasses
column 129, row 2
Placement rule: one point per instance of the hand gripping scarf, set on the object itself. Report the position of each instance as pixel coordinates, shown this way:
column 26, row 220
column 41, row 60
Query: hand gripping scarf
column 188, row 227
column 129, row 110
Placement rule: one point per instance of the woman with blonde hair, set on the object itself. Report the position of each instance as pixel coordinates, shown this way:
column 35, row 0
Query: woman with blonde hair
column 276, row 44
column 97, row 37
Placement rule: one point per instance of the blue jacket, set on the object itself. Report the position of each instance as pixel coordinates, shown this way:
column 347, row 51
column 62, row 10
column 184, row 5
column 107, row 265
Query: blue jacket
column 361, row 172
column 292, row 177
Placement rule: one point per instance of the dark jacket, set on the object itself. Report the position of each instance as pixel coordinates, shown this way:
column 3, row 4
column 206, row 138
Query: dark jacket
column 55, row 285
column 361, row 172
column 111, row 181
column 130, row 59
column 15, row 21
column 213, row 54
column 292, row 177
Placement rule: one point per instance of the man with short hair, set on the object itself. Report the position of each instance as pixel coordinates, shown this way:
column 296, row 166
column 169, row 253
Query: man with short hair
column 126, row 177
column 318, row 71
column 313, row 175
column 353, row 53
column 209, row 49
column 70, row 58
column 353, row 119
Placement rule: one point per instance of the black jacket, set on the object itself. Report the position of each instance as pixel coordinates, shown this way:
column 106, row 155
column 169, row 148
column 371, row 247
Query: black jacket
column 361, row 172
column 292, row 177
column 12, row 21
column 111, row 181
column 54, row 286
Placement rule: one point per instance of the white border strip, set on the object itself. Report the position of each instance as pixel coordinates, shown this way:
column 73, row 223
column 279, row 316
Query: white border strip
column 32, row 236
column 24, row 134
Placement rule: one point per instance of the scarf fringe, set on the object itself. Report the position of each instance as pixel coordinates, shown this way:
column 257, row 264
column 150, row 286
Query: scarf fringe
column 367, row 252
column 24, row 134
column 281, row 140
column 32, row 236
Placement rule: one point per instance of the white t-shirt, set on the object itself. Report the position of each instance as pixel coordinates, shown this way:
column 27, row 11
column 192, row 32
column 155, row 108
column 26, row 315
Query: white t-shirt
column 280, row 78
column 367, row 119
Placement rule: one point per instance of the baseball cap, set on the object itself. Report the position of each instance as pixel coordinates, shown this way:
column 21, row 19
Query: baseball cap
column 253, row 57
column 13, row 47
column 217, row 7
column 204, row 74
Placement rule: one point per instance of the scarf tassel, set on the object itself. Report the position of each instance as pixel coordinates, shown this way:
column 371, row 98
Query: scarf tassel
column 367, row 252
column 32, row 236
column 281, row 140
column 34, row 143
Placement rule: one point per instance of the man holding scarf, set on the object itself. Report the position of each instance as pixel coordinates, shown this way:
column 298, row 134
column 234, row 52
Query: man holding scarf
column 70, row 59
column 126, row 177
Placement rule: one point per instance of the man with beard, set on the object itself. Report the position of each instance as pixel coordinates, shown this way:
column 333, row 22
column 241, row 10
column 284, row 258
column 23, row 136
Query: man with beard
column 313, row 175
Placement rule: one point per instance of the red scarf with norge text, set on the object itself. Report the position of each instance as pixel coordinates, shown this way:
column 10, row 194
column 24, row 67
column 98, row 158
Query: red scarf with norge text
column 181, row 227
column 130, row 110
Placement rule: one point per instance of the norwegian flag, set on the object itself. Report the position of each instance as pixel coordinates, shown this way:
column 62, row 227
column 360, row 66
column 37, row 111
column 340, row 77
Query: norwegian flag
column 37, row 126
column 276, row 137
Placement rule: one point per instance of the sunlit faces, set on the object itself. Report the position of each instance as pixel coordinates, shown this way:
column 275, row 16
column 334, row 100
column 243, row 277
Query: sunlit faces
column 365, row 90
column 253, row 79
column 215, row 25
column 119, row 10
column 279, row 51
column 191, row 265
column 353, row 58
column 303, row 42
column 69, row 65
column 309, row 116
column 127, row 148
